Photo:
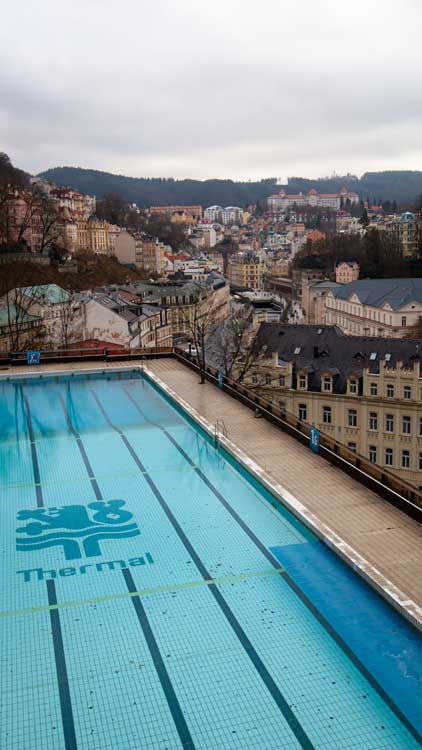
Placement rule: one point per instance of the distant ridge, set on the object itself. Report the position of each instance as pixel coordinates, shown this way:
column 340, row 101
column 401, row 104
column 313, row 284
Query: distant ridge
column 402, row 186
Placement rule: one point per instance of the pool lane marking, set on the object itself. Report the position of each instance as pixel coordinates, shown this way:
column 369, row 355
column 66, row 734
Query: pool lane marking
column 291, row 583
column 163, row 676
column 66, row 709
column 272, row 687
column 167, row 588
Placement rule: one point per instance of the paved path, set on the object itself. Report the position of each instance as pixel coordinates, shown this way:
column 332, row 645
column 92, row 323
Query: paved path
column 386, row 537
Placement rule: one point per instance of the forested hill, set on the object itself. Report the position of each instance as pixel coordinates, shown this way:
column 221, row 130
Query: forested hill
column 402, row 186
column 161, row 191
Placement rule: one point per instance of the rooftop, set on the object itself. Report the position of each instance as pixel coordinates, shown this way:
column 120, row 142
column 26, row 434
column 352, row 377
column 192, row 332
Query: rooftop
column 379, row 292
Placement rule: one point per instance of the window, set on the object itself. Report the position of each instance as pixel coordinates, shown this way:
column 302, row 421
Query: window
column 373, row 420
column 373, row 454
column 405, row 459
column 387, row 357
column 420, row 461
column 406, row 425
column 352, row 418
column 390, row 390
column 373, row 356
column 303, row 412
column 326, row 414
column 281, row 381
column 420, row 425
column 268, row 380
column 352, row 447
column 282, row 405
column 388, row 456
column 407, row 392
column 326, row 384
column 303, row 381
column 353, row 386
column 404, row 321
column 255, row 379
column 389, row 423
column 297, row 350
column 373, row 389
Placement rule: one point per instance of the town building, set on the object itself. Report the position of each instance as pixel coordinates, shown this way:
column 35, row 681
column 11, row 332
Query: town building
column 193, row 211
column 347, row 271
column 405, row 234
column 134, row 248
column 228, row 216
column 364, row 392
column 281, row 201
column 245, row 271
column 375, row 307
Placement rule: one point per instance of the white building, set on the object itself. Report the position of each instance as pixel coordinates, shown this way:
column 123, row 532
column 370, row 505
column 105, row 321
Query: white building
column 281, row 201
column 375, row 307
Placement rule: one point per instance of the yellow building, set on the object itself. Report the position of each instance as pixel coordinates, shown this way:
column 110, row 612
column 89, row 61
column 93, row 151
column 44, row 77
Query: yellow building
column 245, row 272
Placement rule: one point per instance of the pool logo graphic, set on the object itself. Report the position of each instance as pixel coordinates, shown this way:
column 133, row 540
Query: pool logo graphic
column 75, row 528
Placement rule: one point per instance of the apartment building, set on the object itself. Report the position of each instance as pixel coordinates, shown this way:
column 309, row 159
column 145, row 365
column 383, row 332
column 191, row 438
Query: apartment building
column 375, row 307
column 245, row 272
column 404, row 231
column 347, row 271
column 133, row 248
column 229, row 216
column 181, row 300
column 364, row 392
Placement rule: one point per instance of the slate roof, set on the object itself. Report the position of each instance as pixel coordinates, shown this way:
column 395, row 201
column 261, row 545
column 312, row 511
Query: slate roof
column 325, row 349
column 378, row 292
column 51, row 293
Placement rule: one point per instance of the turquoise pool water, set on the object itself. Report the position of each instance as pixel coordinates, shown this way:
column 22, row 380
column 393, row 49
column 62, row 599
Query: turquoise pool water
column 153, row 597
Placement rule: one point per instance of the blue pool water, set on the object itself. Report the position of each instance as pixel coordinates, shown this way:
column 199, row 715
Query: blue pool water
column 153, row 596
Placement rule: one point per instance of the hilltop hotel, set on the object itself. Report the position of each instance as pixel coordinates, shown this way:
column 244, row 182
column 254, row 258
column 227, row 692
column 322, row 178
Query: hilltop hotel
column 282, row 200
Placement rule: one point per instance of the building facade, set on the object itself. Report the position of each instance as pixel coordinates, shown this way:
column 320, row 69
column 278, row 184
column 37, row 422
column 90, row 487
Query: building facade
column 282, row 201
column 375, row 307
column 245, row 272
column 366, row 393
column 347, row 271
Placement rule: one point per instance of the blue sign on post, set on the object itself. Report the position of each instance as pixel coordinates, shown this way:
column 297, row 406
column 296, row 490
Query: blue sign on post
column 314, row 440
column 220, row 379
column 33, row 358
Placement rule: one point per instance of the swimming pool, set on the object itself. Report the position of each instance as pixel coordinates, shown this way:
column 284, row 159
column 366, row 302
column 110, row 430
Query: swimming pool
column 154, row 597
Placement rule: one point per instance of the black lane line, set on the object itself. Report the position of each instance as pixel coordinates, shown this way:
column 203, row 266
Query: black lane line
column 66, row 709
column 163, row 675
column 259, row 665
column 291, row 583
column 165, row 681
column 35, row 466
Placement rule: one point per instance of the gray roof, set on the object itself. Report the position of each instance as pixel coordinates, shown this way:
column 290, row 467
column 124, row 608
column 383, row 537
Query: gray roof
column 325, row 349
column 378, row 292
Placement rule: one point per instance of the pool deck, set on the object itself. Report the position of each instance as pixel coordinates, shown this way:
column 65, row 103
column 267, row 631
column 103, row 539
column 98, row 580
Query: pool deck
column 381, row 541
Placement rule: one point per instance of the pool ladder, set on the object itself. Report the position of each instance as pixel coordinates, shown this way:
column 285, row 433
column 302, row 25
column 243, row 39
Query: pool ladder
column 219, row 429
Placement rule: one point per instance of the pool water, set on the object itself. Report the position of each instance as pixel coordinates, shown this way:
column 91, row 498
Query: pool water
column 153, row 596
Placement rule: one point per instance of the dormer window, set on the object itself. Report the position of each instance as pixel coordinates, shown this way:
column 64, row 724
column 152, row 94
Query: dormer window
column 303, row 381
column 353, row 386
column 326, row 383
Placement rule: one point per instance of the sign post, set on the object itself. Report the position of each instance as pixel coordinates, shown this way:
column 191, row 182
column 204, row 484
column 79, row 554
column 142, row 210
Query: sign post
column 33, row 358
column 314, row 440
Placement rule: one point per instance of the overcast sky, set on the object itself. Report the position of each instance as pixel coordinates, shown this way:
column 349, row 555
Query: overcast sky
column 225, row 88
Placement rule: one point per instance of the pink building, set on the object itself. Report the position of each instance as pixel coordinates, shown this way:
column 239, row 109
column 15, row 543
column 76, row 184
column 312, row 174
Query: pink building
column 347, row 272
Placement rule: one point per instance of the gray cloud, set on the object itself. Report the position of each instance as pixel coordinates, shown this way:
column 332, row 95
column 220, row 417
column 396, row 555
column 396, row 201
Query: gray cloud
column 224, row 89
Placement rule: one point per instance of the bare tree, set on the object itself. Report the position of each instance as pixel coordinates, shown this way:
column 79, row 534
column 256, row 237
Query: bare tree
column 233, row 344
column 49, row 217
column 199, row 321
column 66, row 319
column 24, row 324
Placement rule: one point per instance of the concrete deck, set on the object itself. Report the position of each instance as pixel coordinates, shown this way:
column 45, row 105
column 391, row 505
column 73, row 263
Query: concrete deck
column 386, row 538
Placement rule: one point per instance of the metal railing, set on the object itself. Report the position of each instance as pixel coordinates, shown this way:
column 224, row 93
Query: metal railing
column 55, row 356
column 397, row 491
